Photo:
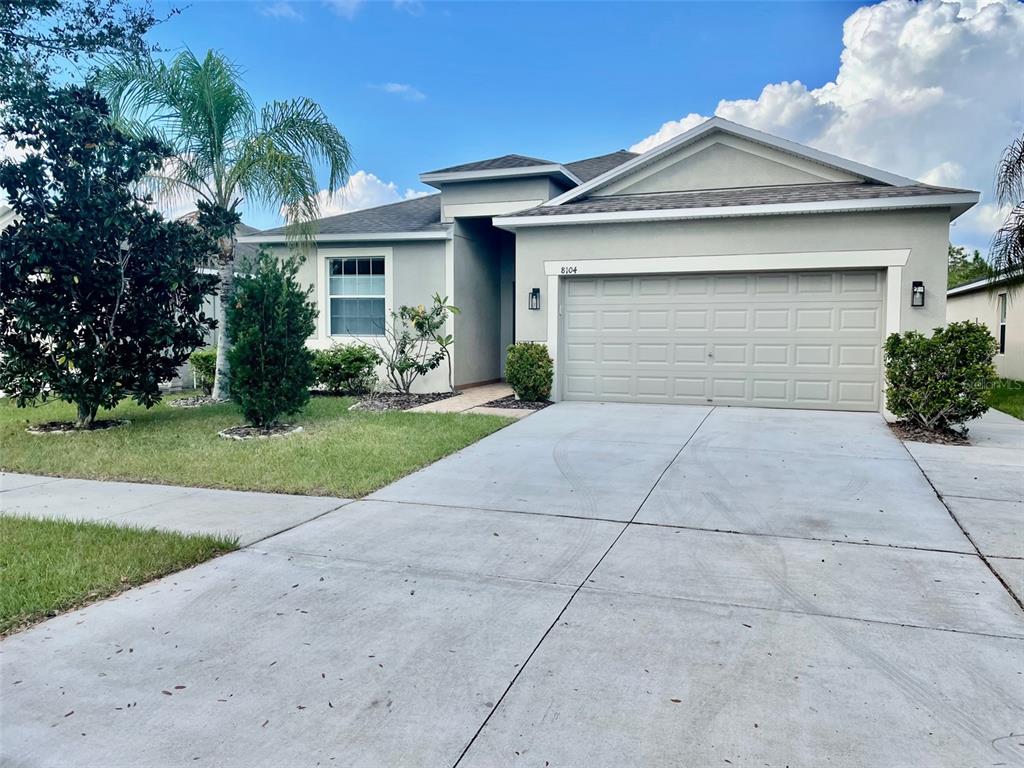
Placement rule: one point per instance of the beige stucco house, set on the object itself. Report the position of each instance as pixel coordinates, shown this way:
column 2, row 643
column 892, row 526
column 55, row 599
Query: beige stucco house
column 989, row 301
column 726, row 266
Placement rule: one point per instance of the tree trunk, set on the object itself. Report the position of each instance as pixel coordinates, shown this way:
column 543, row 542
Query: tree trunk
column 226, row 271
column 86, row 415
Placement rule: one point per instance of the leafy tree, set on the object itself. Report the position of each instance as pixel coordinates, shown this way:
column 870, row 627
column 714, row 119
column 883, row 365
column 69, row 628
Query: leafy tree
column 964, row 268
column 226, row 150
column 1008, row 243
column 269, row 319
column 37, row 37
column 99, row 297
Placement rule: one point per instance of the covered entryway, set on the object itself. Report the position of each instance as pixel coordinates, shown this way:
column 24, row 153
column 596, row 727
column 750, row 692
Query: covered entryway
column 800, row 339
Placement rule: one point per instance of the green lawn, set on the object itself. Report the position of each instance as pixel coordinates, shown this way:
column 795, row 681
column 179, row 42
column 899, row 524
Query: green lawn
column 49, row 566
column 340, row 453
column 1008, row 397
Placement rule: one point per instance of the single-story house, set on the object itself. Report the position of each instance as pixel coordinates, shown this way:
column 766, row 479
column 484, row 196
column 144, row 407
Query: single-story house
column 989, row 301
column 725, row 266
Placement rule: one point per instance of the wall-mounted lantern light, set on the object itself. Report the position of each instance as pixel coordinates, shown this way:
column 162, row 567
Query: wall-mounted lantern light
column 535, row 298
column 917, row 294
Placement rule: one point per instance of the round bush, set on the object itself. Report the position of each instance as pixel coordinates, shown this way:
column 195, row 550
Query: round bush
column 529, row 371
column 942, row 381
column 346, row 369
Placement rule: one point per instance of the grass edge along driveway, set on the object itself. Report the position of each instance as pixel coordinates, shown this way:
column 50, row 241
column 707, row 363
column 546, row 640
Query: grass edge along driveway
column 339, row 453
column 51, row 566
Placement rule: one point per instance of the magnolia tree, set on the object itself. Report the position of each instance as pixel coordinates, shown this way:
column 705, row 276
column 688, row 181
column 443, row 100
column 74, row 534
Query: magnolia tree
column 100, row 298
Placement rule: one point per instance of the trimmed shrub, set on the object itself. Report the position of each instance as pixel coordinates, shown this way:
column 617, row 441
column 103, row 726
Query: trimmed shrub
column 269, row 318
column 942, row 381
column 529, row 371
column 346, row 370
column 204, row 367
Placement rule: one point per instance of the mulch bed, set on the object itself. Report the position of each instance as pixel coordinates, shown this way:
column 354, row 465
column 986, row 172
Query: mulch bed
column 249, row 432
column 193, row 402
column 906, row 431
column 393, row 401
column 68, row 427
column 523, row 405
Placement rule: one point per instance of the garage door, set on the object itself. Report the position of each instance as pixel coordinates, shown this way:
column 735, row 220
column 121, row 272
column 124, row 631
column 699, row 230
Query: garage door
column 790, row 340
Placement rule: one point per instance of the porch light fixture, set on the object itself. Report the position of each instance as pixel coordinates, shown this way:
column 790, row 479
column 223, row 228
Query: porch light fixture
column 535, row 298
column 917, row 294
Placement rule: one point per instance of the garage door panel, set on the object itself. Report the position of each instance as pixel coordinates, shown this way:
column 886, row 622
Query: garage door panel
column 775, row 339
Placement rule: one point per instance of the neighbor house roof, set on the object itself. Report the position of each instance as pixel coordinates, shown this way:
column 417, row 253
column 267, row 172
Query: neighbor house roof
column 418, row 218
column 740, row 201
column 985, row 283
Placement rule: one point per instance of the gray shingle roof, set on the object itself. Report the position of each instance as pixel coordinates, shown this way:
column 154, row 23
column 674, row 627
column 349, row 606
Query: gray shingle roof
column 593, row 167
column 711, row 198
column 420, row 214
column 496, row 163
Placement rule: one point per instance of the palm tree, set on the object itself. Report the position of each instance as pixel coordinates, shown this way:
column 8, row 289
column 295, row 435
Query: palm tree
column 226, row 151
column 1008, row 243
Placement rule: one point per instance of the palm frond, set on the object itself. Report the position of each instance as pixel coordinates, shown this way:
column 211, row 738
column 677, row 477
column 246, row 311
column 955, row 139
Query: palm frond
column 1010, row 174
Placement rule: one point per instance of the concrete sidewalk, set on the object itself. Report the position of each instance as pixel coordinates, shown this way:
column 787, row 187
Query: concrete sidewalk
column 248, row 516
column 983, row 486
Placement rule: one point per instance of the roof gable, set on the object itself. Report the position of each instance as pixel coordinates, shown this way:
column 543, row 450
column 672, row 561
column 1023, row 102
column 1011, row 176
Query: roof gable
column 833, row 168
column 721, row 161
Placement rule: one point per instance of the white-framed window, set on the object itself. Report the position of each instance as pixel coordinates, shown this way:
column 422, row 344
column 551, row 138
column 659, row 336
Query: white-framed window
column 1001, row 303
column 355, row 296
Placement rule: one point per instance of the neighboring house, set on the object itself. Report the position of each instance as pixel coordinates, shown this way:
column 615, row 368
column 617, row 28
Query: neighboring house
column 725, row 266
column 989, row 301
column 243, row 252
column 7, row 217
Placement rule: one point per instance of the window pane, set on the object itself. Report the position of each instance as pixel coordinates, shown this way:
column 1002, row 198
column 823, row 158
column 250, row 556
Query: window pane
column 336, row 266
column 357, row 317
column 1002, row 307
column 378, row 266
column 350, row 266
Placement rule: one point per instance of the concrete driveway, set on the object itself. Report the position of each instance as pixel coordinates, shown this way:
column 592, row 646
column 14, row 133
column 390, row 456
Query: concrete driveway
column 597, row 585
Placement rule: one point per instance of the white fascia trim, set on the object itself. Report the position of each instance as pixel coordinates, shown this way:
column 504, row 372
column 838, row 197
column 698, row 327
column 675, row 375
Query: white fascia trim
column 721, row 124
column 973, row 286
column 728, row 211
column 355, row 237
column 552, row 169
column 743, row 262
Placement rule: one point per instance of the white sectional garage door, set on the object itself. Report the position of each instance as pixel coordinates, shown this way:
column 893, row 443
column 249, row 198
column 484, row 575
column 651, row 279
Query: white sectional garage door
column 782, row 339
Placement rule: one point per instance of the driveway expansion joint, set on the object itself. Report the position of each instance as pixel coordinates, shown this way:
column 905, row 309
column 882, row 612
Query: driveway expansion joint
column 576, row 591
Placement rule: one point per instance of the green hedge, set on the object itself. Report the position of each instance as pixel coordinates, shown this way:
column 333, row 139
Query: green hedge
column 346, row 370
column 204, row 366
column 529, row 371
column 940, row 382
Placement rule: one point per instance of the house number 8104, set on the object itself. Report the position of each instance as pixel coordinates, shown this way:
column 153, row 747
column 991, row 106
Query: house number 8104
column 570, row 270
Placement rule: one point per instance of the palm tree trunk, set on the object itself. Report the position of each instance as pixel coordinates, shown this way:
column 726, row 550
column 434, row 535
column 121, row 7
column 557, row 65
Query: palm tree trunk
column 226, row 271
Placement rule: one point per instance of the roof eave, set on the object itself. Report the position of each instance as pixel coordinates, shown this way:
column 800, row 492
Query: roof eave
column 951, row 201
column 343, row 237
column 448, row 177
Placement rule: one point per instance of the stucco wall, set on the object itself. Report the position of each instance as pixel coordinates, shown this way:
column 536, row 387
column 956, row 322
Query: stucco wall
column 497, row 191
column 723, row 161
column 477, row 295
column 982, row 307
column 415, row 272
column 925, row 233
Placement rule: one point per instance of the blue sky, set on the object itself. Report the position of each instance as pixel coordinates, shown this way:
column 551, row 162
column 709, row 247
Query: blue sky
column 556, row 80
column 927, row 89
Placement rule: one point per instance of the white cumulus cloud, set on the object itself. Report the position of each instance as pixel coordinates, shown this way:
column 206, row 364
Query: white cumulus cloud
column 281, row 10
column 344, row 8
column 363, row 190
column 930, row 90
